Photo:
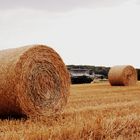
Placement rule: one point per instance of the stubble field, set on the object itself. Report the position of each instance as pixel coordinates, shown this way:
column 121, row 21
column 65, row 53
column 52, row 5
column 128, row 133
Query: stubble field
column 94, row 111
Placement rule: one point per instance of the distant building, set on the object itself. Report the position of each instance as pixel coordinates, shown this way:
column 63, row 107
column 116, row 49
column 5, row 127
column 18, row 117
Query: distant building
column 99, row 76
column 79, row 76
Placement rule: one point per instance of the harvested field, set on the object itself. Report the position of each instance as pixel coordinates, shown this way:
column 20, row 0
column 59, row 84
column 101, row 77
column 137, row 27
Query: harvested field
column 94, row 111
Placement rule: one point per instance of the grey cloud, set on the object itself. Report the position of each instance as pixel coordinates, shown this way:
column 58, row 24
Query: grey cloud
column 57, row 5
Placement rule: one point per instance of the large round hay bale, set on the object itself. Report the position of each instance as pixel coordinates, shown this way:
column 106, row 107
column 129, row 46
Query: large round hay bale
column 34, row 81
column 123, row 75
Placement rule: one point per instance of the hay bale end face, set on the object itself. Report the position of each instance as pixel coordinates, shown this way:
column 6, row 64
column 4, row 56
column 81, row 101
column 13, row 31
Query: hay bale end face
column 123, row 75
column 34, row 81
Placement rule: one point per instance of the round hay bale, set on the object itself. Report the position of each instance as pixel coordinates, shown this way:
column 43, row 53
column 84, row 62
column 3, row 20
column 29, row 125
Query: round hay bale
column 124, row 75
column 34, row 81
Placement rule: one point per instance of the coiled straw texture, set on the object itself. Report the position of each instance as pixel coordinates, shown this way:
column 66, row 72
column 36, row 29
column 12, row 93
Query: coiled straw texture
column 123, row 75
column 34, row 81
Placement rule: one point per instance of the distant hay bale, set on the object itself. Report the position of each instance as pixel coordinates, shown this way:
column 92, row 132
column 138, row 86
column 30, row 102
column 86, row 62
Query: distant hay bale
column 124, row 75
column 34, row 81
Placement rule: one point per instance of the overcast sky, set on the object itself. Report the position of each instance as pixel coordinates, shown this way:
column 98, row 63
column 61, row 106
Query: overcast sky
column 92, row 32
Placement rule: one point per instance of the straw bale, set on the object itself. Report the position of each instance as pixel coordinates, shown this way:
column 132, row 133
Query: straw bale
column 34, row 81
column 123, row 75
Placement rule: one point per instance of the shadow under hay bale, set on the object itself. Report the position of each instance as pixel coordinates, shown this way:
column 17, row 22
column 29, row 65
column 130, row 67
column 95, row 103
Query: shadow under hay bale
column 124, row 75
column 13, row 117
column 34, row 81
